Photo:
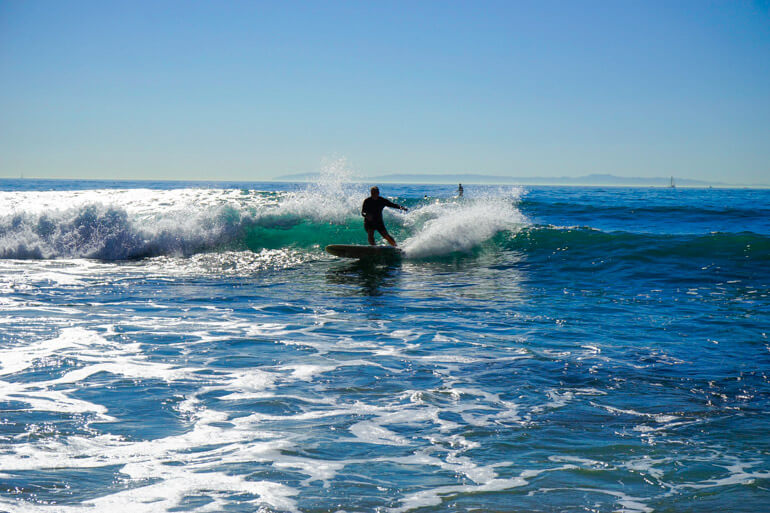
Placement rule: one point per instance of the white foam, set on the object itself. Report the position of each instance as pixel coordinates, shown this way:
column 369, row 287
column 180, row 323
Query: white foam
column 436, row 496
column 646, row 464
column 316, row 470
column 235, row 441
column 306, row 372
column 462, row 225
column 247, row 385
column 628, row 503
column 657, row 417
column 17, row 359
column 583, row 462
column 737, row 475
column 369, row 432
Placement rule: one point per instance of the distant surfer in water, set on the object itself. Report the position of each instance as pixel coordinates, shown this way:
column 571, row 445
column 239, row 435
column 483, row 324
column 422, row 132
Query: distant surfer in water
column 460, row 190
column 372, row 212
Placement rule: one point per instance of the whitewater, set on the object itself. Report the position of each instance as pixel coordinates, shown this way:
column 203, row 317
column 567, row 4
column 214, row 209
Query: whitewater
column 189, row 346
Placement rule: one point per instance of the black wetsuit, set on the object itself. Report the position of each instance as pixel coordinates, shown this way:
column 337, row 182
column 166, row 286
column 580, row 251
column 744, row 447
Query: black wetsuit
column 372, row 212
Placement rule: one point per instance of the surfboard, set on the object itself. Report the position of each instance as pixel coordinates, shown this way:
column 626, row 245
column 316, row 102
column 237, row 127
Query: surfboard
column 361, row 251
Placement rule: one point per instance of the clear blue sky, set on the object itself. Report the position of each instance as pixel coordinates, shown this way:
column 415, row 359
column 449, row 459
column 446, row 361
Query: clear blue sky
column 254, row 90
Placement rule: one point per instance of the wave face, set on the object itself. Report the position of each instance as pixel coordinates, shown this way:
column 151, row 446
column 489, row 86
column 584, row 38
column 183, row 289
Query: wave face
column 640, row 248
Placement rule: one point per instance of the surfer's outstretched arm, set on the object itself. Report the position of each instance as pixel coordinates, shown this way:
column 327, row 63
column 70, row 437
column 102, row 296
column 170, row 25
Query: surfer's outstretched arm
column 390, row 204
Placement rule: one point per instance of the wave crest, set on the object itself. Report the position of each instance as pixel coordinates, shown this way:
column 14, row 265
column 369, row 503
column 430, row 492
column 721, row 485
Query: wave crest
column 133, row 224
column 110, row 233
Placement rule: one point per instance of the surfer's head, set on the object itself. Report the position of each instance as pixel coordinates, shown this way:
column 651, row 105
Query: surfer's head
column 375, row 191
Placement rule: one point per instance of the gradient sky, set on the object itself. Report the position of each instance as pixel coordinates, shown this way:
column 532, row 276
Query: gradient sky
column 255, row 90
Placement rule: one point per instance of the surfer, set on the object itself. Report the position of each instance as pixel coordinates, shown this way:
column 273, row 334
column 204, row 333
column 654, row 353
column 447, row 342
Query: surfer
column 459, row 190
column 372, row 212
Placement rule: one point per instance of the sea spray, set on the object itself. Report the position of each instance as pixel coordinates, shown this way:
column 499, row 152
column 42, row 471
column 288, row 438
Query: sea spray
column 334, row 198
column 462, row 224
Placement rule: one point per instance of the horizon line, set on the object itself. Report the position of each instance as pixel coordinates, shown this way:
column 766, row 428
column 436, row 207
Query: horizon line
column 383, row 179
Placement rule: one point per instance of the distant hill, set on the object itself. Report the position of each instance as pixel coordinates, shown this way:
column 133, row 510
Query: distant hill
column 593, row 179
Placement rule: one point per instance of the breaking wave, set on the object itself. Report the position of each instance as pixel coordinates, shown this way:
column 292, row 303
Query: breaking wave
column 138, row 223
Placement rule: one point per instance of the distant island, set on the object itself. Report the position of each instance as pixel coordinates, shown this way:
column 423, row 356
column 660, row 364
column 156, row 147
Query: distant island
column 593, row 179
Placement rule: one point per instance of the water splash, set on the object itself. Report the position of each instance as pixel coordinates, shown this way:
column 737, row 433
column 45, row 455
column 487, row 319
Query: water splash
column 333, row 198
column 462, row 224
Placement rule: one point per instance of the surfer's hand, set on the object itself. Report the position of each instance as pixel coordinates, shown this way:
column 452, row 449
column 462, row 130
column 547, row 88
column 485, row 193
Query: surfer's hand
column 405, row 209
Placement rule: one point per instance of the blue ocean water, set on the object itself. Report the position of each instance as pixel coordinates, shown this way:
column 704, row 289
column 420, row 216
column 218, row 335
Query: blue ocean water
column 171, row 346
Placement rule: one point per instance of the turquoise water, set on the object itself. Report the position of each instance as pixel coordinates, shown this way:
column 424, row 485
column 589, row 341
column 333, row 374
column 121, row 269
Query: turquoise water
column 190, row 347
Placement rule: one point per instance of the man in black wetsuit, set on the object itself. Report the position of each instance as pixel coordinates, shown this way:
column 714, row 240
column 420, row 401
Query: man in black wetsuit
column 372, row 212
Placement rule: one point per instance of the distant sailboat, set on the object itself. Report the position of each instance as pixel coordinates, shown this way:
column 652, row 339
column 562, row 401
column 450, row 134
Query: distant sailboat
column 672, row 185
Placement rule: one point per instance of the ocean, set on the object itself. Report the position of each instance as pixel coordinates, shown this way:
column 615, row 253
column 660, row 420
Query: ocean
column 187, row 346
